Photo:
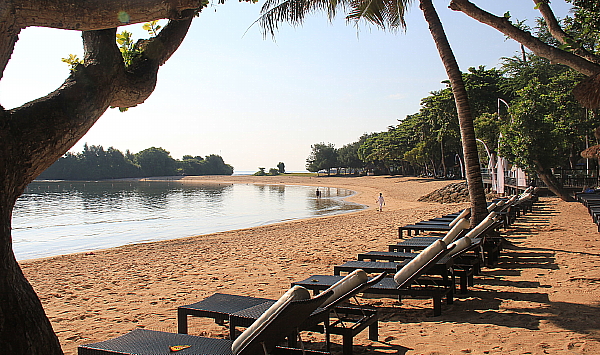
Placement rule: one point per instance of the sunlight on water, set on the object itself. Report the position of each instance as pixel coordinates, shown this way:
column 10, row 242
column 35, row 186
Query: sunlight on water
column 54, row 218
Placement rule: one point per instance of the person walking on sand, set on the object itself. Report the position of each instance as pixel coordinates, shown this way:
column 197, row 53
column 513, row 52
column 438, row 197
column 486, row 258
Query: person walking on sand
column 381, row 202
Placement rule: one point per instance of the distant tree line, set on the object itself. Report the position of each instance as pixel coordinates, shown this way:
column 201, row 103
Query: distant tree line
column 95, row 163
column 523, row 111
column 272, row 171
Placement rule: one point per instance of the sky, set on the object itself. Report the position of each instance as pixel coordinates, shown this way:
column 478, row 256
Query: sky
column 258, row 101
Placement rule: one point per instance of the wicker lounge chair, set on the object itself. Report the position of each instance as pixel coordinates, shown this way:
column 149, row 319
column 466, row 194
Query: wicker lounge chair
column 331, row 317
column 406, row 282
column 465, row 261
column 262, row 337
column 443, row 224
column 490, row 223
column 506, row 208
column 376, row 261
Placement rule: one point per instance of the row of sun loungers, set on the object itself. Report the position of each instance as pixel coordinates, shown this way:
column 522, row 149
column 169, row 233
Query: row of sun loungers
column 592, row 202
column 507, row 209
column 422, row 266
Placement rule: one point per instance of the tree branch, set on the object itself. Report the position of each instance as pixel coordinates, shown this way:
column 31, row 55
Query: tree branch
column 39, row 132
column 97, row 14
column 538, row 47
column 9, row 38
column 557, row 32
column 139, row 81
column 553, row 26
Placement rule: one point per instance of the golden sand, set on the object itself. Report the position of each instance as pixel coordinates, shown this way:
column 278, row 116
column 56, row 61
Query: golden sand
column 542, row 298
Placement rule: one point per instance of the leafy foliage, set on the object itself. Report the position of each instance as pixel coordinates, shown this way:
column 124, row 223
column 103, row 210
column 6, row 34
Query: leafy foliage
column 260, row 172
column 584, row 24
column 152, row 27
column 72, row 61
column 322, row 157
column 547, row 126
column 273, row 172
column 281, row 167
column 95, row 163
column 127, row 47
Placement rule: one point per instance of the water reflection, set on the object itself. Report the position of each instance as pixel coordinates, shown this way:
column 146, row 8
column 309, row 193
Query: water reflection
column 53, row 218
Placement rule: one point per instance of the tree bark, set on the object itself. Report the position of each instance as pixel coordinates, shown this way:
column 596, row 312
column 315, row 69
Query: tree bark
column 557, row 32
column 82, row 16
column 538, row 47
column 35, row 135
column 92, row 15
column 553, row 185
column 467, row 131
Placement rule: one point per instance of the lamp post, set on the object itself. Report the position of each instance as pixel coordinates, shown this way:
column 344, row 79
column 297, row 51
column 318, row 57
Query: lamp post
column 490, row 162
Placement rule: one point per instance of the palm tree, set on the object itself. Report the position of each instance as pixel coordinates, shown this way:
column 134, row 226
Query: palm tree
column 465, row 119
column 389, row 14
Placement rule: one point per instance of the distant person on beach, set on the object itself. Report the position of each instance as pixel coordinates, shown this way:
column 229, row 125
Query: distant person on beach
column 318, row 193
column 381, row 202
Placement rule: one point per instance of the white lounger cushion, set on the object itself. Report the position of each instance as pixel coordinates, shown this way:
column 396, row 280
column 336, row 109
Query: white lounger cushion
column 345, row 285
column 459, row 245
column 455, row 231
column 487, row 221
column 415, row 264
column 293, row 294
column 525, row 197
column 491, row 207
column 512, row 199
column 463, row 214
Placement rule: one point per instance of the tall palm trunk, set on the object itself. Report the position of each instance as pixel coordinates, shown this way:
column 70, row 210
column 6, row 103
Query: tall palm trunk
column 467, row 132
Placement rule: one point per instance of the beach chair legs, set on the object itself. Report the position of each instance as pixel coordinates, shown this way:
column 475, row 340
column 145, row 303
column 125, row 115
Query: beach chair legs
column 182, row 324
column 437, row 306
column 374, row 332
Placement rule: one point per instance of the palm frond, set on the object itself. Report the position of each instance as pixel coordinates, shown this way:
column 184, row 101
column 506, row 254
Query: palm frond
column 387, row 14
column 275, row 12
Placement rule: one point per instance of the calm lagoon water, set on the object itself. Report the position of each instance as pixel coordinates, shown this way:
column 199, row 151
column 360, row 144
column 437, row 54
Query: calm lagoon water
column 55, row 218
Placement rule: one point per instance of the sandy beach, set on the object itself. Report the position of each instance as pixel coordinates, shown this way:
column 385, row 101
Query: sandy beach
column 542, row 298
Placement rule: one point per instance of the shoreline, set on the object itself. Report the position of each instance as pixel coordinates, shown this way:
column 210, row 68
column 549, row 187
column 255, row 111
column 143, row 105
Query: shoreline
column 530, row 303
column 196, row 227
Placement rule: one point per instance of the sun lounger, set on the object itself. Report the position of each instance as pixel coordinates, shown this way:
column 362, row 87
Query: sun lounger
column 465, row 265
column 465, row 262
column 592, row 202
column 506, row 208
column 242, row 311
column 262, row 337
column 490, row 223
column 435, row 224
column 406, row 282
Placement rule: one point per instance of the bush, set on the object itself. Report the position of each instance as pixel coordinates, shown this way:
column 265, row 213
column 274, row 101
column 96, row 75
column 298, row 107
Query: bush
column 260, row 172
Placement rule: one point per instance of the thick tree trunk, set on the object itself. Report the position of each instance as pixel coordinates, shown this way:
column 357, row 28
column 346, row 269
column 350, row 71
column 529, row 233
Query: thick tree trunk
column 553, row 185
column 24, row 327
column 35, row 135
column 28, row 146
column 467, row 131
